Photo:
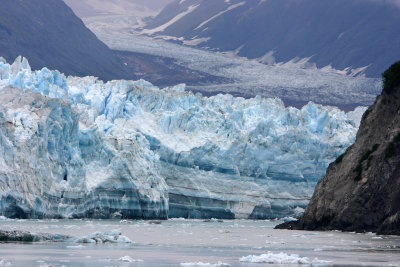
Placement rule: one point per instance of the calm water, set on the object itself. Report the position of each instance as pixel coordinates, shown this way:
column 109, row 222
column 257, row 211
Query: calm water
column 180, row 241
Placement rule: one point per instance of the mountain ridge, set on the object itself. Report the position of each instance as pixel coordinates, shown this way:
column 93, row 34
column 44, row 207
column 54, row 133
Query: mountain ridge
column 50, row 35
column 345, row 35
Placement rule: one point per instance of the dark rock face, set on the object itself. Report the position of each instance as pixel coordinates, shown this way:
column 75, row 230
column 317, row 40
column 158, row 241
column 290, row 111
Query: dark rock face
column 20, row 236
column 361, row 189
column 50, row 35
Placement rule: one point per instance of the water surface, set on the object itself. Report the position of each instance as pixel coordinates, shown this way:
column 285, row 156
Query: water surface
column 178, row 241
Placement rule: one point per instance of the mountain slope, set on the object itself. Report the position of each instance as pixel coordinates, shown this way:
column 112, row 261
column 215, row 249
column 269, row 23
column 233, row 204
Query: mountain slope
column 361, row 189
column 49, row 34
column 344, row 34
column 88, row 8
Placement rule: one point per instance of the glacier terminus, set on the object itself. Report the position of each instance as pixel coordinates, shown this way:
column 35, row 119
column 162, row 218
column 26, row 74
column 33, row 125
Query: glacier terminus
column 73, row 147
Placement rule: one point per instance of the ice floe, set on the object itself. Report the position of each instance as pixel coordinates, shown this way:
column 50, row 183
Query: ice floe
column 110, row 236
column 281, row 258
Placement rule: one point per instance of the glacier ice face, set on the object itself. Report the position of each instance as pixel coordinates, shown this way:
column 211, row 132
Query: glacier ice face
column 53, row 165
column 222, row 156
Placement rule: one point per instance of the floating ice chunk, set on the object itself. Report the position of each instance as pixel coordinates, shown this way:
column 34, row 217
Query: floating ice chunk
column 113, row 232
column 202, row 264
column 76, row 247
column 129, row 259
column 298, row 211
column 177, row 219
column 122, row 239
column 93, row 235
column 289, row 219
column 213, row 220
column 2, row 218
column 111, row 236
column 281, row 258
column 4, row 262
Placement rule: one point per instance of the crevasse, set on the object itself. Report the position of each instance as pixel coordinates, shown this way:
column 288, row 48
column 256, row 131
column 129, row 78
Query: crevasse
column 78, row 147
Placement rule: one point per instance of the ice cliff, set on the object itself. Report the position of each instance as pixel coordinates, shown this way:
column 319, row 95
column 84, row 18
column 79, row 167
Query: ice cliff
column 78, row 147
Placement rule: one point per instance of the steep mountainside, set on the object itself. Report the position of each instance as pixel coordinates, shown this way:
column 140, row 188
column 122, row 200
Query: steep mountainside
column 361, row 189
column 344, row 34
column 49, row 33
column 88, row 8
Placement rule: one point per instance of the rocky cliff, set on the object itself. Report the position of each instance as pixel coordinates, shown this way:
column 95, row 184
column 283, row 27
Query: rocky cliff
column 361, row 189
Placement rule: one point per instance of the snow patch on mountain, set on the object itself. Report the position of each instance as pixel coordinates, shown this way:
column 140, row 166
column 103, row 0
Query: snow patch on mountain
column 195, row 41
column 306, row 63
column 220, row 13
column 172, row 21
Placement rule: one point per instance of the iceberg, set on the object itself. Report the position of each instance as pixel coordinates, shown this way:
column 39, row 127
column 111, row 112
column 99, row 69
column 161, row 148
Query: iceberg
column 281, row 258
column 129, row 259
column 202, row 264
column 77, row 147
column 111, row 236
column 4, row 262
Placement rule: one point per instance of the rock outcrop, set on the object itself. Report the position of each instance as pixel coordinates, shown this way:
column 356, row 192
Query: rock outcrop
column 23, row 236
column 361, row 189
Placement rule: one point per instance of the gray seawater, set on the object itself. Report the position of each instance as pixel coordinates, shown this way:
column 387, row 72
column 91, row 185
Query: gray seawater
column 181, row 241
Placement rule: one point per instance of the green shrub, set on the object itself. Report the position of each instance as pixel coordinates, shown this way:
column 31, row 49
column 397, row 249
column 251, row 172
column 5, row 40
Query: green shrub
column 339, row 159
column 391, row 78
column 358, row 171
column 391, row 148
column 366, row 156
column 366, row 113
column 396, row 139
column 369, row 152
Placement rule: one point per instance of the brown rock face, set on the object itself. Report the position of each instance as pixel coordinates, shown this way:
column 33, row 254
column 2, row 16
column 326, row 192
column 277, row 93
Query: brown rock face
column 361, row 189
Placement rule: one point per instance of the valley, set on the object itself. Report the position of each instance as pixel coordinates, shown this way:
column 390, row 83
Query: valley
column 199, row 133
column 248, row 78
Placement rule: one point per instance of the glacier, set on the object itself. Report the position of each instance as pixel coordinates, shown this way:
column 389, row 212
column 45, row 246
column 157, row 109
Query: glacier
column 73, row 147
